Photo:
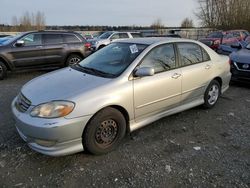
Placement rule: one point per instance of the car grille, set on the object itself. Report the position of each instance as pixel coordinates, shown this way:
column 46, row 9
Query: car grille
column 22, row 103
column 242, row 66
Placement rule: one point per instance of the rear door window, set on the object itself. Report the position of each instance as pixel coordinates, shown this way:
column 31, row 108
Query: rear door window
column 136, row 35
column 70, row 38
column 190, row 53
column 123, row 35
column 52, row 39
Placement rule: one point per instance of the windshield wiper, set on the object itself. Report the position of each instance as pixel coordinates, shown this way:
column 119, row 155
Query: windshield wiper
column 99, row 72
column 93, row 71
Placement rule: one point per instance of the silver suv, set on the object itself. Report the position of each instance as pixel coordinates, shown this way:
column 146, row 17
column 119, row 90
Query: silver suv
column 110, row 36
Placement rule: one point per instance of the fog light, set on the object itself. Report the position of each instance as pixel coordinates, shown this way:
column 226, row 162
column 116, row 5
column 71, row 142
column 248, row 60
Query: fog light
column 46, row 143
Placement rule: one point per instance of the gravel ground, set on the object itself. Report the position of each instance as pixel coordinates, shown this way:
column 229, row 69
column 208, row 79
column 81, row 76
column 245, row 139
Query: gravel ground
column 195, row 148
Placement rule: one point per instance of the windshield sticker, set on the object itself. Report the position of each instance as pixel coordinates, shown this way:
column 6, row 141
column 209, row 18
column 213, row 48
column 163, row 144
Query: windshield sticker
column 133, row 49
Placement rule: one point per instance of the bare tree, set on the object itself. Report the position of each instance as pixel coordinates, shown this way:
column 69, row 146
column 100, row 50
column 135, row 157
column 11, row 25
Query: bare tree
column 158, row 25
column 40, row 20
column 187, row 23
column 29, row 21
column 224, row 14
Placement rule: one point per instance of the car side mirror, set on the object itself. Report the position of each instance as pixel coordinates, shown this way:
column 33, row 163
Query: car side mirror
column 19, row 43
column 144, row 71
column 238, row 46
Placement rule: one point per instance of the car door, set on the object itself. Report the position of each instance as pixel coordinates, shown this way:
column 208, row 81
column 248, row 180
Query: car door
column 54, row 48
column 196, row 71
column 162, row 91
column 29, row 54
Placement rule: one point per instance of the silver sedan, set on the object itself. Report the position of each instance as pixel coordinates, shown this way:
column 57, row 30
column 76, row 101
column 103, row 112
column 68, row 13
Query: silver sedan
column 120, row 88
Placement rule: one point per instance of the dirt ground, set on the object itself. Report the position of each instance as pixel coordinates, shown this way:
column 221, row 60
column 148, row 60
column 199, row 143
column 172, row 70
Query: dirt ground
column 195, row 148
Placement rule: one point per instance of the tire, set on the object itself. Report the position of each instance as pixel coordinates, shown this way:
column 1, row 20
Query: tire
column 73, row 59
column 212, row 94
column 104, row 132
column 3, row 71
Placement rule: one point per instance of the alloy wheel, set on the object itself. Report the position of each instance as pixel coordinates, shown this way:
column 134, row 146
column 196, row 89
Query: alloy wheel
column 213, row 94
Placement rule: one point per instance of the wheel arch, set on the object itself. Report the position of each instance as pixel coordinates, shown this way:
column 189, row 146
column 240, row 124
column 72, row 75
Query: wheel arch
column 219, row 80
column 6, row 63
column 120, row 109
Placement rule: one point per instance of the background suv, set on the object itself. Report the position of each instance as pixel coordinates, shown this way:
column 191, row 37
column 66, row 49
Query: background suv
column 109, row 36
column 39, row 49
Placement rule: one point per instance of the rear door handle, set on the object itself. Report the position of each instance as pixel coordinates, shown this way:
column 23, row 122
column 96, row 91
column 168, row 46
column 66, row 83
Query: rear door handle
column 176, row 75
column 208, row 67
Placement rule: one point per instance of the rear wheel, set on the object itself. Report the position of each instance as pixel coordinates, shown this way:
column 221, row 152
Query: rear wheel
column 212, row 94
column 3, row 71
column 104, row 132
column 73, row 59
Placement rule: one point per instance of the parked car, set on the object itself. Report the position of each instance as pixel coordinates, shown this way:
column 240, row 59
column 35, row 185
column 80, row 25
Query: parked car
column 39, row 49
column 122, row 87
column 167, row 35
column 240, row 63
column 4, row 39
column 4, row 35
column 227, row 49
column 111, row 36
column 215, row 39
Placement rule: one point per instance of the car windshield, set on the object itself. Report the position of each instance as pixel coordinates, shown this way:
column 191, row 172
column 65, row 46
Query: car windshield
column 9, row 39
column 110, row 61
column 105, row 35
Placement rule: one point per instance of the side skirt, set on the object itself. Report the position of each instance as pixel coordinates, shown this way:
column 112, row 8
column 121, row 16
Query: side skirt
column 136, row 125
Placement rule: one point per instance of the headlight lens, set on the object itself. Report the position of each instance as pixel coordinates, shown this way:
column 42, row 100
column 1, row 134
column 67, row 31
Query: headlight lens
column 53, row 109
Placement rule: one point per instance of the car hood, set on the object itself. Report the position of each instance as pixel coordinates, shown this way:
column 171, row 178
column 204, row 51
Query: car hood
column 60, row 85
column 241, row 56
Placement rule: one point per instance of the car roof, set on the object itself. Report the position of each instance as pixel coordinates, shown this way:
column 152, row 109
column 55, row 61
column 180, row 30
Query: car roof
column 51, row 31
column 153, row 40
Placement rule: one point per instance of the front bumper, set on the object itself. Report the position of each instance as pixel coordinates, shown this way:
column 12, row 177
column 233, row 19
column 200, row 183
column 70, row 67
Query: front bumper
column 238, row 75
column 55, row 137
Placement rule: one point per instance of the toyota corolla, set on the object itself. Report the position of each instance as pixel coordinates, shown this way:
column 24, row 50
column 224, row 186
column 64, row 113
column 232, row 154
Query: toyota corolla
column 120, row 88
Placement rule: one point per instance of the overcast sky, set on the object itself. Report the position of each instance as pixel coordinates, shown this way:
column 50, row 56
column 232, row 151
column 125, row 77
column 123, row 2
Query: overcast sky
column 102, row 12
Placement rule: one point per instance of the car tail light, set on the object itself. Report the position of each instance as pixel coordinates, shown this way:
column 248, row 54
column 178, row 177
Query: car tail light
column 230, row 61
column 87, row 45
column 216, row 42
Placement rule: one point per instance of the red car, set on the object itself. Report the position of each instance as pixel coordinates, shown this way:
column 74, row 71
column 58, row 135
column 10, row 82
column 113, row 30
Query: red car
column 214, row 39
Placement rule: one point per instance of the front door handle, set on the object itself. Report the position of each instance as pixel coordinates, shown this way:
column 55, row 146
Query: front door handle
column 176, row 75
column 208, row 67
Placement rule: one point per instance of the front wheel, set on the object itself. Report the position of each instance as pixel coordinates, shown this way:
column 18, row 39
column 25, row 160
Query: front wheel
column 104, row 132
column 212, row 94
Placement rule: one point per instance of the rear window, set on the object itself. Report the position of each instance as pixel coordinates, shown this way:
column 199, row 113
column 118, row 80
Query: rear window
column 136, row 35
column 52, row 38
column 71, row 38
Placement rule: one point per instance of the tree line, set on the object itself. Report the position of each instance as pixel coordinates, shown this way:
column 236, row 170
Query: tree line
column 224, row 14
column 28, row 21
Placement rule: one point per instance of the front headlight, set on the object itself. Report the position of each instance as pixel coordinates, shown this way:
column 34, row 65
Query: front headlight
column 53, row 109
